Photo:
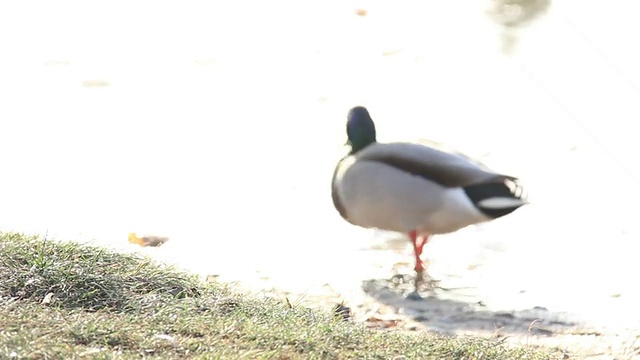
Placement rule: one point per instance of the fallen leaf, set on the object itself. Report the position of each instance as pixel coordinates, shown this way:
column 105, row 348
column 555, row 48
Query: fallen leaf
column 47, row 299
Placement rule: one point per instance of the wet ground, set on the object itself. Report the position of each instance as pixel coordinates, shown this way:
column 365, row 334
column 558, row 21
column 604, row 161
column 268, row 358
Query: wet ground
column 459, row 305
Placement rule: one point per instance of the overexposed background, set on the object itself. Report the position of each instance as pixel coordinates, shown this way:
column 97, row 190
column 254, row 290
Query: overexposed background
column 218, row 124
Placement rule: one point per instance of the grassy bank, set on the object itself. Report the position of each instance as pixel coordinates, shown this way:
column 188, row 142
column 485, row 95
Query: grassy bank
column 65, row 300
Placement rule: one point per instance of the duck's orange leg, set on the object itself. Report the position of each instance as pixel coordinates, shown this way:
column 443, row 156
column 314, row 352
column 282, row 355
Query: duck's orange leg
column 419, row 241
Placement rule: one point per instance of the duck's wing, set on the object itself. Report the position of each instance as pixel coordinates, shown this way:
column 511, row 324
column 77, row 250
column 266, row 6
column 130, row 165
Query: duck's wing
column 442, row 167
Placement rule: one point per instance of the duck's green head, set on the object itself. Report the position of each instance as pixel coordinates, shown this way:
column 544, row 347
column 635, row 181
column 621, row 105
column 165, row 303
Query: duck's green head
column 360, row 129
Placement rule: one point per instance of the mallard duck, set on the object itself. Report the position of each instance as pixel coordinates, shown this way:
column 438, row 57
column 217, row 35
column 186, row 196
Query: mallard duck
column 415, row 189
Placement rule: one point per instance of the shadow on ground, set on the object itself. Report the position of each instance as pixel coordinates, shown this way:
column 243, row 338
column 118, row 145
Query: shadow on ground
column 439, row 311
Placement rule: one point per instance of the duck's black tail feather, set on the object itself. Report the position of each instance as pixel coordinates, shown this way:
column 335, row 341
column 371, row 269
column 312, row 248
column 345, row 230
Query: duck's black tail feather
column 497, row 198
